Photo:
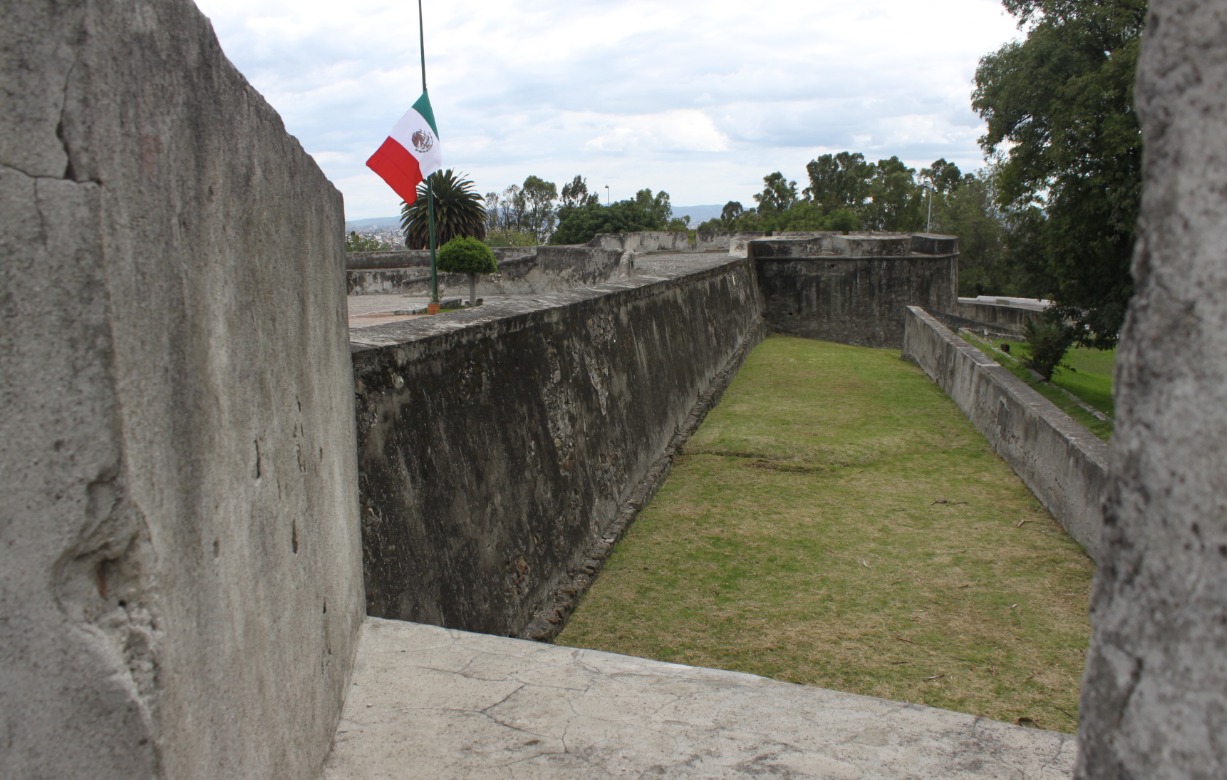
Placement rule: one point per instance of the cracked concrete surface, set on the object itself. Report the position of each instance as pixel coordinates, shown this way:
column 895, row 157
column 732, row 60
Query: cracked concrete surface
column 433, row 702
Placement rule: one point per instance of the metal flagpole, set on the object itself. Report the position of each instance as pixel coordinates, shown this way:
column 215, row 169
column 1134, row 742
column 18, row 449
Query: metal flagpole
column 430, row 196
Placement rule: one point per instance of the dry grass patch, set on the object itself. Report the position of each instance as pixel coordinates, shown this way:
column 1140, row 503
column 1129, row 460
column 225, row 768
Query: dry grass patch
column 837, row 522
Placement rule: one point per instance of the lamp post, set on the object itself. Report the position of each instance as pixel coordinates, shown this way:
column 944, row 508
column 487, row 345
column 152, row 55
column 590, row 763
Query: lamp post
column 929, row 218
column 606, row 194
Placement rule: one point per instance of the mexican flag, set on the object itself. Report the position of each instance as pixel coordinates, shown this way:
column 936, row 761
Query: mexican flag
column 411, row 151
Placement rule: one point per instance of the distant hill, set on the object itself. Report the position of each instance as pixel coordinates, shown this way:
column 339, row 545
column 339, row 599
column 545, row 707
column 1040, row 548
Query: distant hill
column 698, row 214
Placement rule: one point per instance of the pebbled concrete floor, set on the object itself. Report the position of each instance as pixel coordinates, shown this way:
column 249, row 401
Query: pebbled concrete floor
column 432, row 702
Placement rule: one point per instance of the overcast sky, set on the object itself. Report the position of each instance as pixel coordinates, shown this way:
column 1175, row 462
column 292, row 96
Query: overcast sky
column 700, row 99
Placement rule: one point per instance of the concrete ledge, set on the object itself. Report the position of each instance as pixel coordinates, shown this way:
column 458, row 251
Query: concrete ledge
column 1063, row 463
column 435, row 702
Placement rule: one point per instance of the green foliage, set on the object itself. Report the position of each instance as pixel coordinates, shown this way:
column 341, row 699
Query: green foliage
column 578, row 224
column 512, row 237
column 1090, row 379
column 778, row 195
column 459, row 211
column 1048, row 339
column 1060, row 114
column 357, row 243
column 539, row 196
column 839, row 181
column 465, row 255
column 529, row 208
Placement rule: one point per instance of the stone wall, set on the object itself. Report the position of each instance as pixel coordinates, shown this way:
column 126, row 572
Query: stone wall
column 1154, row 698
column 1063, row 464
column 1003, row 320
column 522, row 271
column 180, row 573
column 644, row 241
column 496, row 445
column 853, row 289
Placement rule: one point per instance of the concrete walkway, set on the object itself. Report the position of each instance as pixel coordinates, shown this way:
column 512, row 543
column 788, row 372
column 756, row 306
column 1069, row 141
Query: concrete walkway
column 432, row 702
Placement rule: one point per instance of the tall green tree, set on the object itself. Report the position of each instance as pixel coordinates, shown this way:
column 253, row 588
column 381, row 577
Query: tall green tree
column 643, row 212
column 896, row 201
column 539, row 196
column 1060, row 114
column 575, row 194
column 459, row 211
column 839, row 181
column 778, row 195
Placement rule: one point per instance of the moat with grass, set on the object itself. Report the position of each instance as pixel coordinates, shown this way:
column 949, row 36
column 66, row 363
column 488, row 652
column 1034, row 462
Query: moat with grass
column 837, row 522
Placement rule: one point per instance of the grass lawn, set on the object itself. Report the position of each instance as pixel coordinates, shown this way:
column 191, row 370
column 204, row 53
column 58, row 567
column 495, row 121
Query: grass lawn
column 837, row 522
column 1090, row 380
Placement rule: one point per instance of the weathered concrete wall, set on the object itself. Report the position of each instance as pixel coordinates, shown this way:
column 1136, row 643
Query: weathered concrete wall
column 496, row 444
column 522, row 271
column 1063, row 464
column 853, row 289
column 1154, row 697
column 644, row 241
column 179, row 560
column 999, row 319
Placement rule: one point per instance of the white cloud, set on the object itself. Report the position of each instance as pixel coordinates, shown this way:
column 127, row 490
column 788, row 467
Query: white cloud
column 701, row 99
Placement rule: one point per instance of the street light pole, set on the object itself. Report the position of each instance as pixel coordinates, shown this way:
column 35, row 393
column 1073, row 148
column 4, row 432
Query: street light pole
column 929, row 219
column 606, row 194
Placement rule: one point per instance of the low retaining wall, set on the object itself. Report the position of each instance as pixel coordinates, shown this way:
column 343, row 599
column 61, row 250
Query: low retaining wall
column 522, row 271
column 1063, row 464
column 999, row 319
column 853, row 289
column 644, row 241
column 496, row 444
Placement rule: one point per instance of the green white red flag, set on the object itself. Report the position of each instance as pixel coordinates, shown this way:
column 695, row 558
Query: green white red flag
column 411, row 152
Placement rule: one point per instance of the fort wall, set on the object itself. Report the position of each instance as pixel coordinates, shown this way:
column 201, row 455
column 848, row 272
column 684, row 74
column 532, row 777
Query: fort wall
column 180, row 572
column 522, row 271
column 853, row 289
column 496, row 446
column 1060, row 461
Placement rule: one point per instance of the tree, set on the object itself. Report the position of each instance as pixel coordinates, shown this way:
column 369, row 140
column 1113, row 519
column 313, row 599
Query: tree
column 839, row 181
column 1060, row 114
column 538, row 216
column 459, row 211
column 644, row 212
column 896, row 202
column 778, row 194
column 574, row 195
column 731, row 211
column 465, row 255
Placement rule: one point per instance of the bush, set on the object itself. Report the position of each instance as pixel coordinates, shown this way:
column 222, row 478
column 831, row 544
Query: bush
column 1048, row 338
column 466, row 255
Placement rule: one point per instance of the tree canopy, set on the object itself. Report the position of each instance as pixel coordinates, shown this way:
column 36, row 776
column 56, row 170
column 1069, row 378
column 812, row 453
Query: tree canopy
column 1061, row 120
column 459, row 211
column 578, row 224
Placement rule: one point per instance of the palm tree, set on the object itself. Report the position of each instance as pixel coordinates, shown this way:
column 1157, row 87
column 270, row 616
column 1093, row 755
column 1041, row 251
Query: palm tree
column 459, row 211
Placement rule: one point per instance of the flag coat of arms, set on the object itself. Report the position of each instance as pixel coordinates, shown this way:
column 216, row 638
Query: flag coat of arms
column 411, row 152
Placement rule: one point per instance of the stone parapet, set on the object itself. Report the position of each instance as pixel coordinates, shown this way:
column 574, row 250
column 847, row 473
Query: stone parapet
column 1063, row 464
column 497, row 445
